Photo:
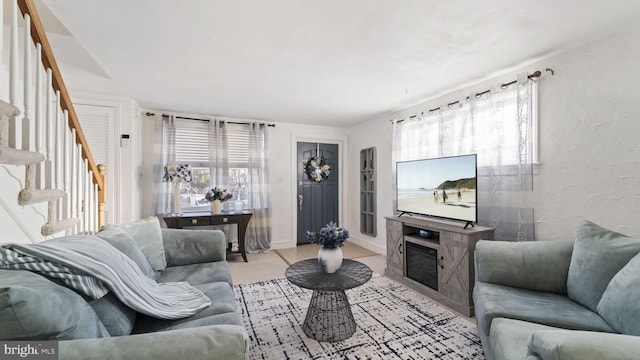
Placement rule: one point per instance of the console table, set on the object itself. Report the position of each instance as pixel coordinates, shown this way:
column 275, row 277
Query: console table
column 197, row 220
column 329, row 316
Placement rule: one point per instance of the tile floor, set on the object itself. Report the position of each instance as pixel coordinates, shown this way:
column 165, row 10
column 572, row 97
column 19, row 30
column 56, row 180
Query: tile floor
column 272, row 265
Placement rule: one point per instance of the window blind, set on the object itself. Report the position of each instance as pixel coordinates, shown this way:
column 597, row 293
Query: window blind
column 192, row 142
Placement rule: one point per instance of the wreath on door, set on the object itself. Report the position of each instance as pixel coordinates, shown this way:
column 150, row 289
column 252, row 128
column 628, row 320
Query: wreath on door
column 317, row 169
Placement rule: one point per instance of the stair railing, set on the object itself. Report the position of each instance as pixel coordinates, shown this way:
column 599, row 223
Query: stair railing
column 49, row 130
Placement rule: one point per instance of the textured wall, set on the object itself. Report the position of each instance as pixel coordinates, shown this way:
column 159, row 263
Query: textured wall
column 589, row 146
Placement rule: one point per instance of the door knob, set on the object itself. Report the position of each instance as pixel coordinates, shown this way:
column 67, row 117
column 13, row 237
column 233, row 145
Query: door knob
column 300, row 200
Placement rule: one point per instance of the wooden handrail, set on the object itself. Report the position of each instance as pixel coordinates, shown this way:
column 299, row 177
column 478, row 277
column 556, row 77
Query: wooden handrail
column 48, row 60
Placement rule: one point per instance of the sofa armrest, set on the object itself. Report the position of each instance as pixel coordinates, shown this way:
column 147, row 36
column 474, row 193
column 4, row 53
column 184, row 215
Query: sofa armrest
column 532, row 265
column 226, row 342
column 182, row 247
column 582, row 345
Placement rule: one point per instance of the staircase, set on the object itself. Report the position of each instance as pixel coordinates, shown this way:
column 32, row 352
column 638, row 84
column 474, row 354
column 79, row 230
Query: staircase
column 46, row 138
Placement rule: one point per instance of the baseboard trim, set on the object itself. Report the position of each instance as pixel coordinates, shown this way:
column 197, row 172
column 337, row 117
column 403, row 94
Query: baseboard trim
column 368, row 245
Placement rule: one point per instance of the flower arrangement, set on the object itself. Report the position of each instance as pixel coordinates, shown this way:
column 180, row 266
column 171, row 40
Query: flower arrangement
column 218, row 194
column 317, row 169
column 330, row 236
column 177, row 173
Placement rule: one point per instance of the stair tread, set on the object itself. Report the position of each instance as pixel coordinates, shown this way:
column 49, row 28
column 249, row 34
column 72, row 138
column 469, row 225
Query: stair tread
column 7, row 109
column 13, row 156
column 58, row 226
column 28, row 197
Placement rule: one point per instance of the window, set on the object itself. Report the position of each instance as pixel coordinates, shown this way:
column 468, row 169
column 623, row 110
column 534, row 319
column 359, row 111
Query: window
column 229, row 148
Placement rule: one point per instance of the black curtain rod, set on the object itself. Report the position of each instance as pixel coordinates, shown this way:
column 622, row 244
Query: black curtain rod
column 189, row 118
column 536, row 74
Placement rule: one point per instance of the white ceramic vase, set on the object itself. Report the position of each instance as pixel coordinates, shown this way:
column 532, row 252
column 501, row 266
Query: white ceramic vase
column 330, row 259
column 216, row 206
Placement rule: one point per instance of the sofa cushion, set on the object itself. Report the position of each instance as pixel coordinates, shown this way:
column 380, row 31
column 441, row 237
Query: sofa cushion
column 509, row 338
column 598, row 254
column 124, row 242
column 558, row 344
column 117, row 317
column 34, row 308
column 197, row 274
column 147, row 234
column 493, row 301
column 620, row 303
column 222, row 302
column 533, row 265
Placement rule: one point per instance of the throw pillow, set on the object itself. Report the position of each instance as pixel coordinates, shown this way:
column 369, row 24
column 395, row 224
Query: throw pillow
column 620, row 304
column 124, row 242
column 34, row 308
column 148, row 236
column 117, row 317
column 598, row 254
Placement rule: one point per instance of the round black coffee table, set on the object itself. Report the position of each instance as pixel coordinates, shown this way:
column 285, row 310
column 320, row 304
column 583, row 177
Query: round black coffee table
column 329, row 316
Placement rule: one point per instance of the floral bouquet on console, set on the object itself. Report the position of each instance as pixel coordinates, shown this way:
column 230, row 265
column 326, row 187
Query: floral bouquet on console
column 218, row 194
column 330, row 236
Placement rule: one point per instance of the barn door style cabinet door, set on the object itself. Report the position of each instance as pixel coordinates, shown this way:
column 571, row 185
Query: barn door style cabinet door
column 455, row 260
column 395, row 256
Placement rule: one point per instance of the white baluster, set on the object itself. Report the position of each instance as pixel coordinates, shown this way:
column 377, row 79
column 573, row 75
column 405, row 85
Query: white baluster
column 66, row 166
column 13, row 53
column 38, row 112
column 58, row 153
column 95, row 208
column 48, row 125
column 79, row 187
column 2, row 31
column 72, row 177
column 13, row 69
column 85, row 202
column 53, row 152
column 90, row 203
column 28, row 90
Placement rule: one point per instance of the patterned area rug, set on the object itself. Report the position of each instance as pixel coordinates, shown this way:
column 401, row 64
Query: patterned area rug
column 393, row 322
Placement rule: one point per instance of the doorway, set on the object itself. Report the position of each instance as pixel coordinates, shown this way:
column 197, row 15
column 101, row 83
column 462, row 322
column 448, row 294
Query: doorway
column 317, row 197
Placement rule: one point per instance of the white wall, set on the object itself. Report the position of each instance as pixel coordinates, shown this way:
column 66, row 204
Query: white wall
column 588, row 149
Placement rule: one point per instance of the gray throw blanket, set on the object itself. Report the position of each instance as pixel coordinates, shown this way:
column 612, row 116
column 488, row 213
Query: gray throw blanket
column 93, row 267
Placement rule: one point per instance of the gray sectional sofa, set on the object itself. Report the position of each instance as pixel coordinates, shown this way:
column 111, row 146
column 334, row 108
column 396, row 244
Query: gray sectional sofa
column 38, row 307
column 559, row 299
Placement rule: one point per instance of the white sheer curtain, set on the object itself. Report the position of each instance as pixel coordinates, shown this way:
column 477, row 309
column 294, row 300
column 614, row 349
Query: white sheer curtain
column 498, row 127
column 258, row 236
column 163, row 154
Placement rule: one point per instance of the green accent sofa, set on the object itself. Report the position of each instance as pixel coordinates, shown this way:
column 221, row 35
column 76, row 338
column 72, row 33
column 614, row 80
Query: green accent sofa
column 33, row 307
column 559, row 299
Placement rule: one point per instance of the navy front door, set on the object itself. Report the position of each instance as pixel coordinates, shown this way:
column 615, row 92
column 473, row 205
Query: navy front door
column 317, row 202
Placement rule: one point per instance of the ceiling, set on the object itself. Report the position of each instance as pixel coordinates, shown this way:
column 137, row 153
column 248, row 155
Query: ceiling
column 325, row 62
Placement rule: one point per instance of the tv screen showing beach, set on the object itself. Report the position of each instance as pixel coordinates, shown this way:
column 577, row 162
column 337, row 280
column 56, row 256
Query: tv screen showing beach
column 444, row 187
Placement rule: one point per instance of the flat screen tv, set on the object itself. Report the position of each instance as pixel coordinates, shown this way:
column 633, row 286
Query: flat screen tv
column 443, row 187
